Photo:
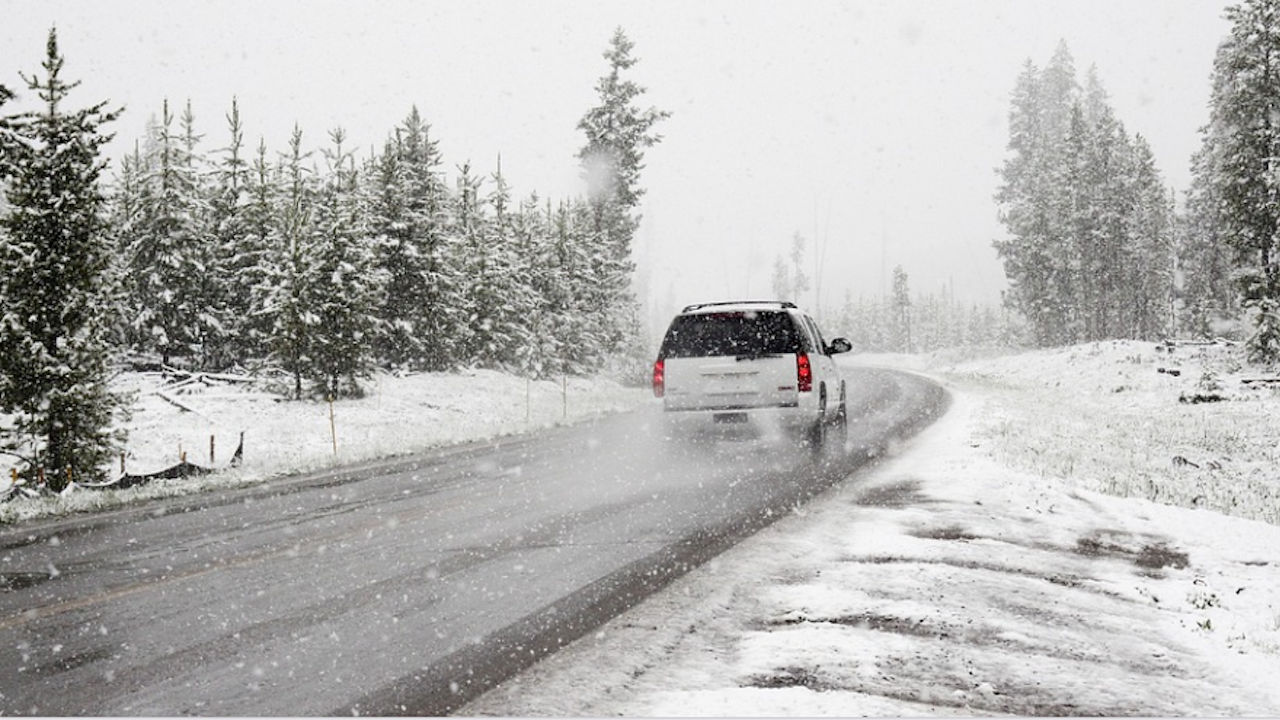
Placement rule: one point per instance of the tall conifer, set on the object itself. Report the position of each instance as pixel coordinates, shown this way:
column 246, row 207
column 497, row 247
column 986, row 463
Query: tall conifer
column 55, row 254
column 1240, row 164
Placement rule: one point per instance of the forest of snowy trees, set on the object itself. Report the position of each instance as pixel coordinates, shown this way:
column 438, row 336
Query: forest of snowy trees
column 1090, row 247
column 316, row 264
column 1096, row 248
column 328, row 265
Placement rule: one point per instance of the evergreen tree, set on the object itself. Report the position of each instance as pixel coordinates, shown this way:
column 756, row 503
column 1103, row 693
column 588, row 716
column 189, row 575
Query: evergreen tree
column 536, row 246
column 409, row 220
column 618, row 132
column 235, row 255
column 1207, row 297
column 1024, row 208
column 780, row 280
column 169, row 253
column 285, row 297
column 258, row 261
column 1239, row 170
column 55, row 254
column 125, row 217
column 514, row 299
column 901, row 311
column 342, row 284
column 494, row 286
column 1151, row 282
column 789, row 280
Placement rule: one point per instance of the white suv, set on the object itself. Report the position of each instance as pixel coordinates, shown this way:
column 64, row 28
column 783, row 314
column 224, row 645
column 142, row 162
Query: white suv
column 755, row 365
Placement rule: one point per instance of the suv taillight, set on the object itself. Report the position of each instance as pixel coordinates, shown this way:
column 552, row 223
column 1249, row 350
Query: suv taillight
column 659, row 378
column 804, row 373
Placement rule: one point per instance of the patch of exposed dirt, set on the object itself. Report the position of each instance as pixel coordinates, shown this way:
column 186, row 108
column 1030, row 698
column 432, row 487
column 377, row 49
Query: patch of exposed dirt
column 895, row 495
column 950, row 532
column 1146, row 553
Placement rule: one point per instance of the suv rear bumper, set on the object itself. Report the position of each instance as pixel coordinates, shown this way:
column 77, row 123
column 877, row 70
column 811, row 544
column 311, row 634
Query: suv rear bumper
column 770, row 422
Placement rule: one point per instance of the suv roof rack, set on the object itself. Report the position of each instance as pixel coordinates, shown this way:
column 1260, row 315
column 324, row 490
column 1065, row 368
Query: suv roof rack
column 779, row 303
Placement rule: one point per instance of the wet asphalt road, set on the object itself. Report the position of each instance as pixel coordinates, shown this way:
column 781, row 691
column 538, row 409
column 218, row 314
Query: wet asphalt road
column 399, row 587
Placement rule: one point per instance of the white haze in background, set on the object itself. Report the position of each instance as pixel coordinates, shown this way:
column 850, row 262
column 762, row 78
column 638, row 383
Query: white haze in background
column 872, row 128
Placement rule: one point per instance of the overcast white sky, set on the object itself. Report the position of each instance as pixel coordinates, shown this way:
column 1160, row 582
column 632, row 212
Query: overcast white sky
column 874, row 127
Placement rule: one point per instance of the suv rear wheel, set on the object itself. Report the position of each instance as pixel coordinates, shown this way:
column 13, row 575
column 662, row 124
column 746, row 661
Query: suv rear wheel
column 817, row 434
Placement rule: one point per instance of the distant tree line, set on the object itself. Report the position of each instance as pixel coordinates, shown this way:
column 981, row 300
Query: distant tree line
column 907, row 322
column 322, row 264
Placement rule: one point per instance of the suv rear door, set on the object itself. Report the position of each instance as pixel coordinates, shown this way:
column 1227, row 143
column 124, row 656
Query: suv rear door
column 731, row 360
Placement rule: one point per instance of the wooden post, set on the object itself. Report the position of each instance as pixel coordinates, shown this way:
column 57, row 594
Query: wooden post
column 122, row 462
column 212, row 453
column 333, row 428
column 40, row 476
column 68, row 476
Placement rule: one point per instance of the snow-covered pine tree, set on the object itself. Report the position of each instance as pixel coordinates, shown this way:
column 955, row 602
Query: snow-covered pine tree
column 573, row 300
column 285, row 297
column 170, row 250
column 1061, row 164
column 258, row 261
column 494, row 288
column 409, row 218
column 55, row 254
column 1023, row 207
column 789, row 281
column 515, row 298
column 1106, row 193
column 211, row 349
column 538, row 356
column 900, row 315
column 1150, row 227
column 236, row 257
column 1047, row 143
column 602, row 294
column 125, row 206
column 1241, row 145
column 1207, row 298
column 344, row 285
column 470, row 230
column 618, row 132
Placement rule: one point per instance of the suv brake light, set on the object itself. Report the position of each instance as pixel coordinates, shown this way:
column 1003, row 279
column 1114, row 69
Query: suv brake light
column 804, row 373
column 659, row 378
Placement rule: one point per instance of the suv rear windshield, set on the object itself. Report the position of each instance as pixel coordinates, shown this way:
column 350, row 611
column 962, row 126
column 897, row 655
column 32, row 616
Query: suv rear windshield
column 731, row 333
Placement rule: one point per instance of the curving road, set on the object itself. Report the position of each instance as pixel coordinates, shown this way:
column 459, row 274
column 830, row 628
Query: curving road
column 399, row 587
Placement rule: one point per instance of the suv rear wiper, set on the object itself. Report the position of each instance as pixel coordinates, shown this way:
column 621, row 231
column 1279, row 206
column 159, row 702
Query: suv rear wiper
column 757, row 356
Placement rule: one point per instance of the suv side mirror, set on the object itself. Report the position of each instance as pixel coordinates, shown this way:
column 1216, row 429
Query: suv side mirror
column 839, row 345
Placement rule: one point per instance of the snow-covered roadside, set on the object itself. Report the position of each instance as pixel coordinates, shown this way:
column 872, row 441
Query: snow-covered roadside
column 977, row 572
column 399, row 415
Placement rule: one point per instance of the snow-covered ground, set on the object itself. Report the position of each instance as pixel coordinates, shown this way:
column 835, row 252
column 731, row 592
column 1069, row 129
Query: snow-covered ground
column 1074, row 537
column 983, row 570
column 398, row 415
